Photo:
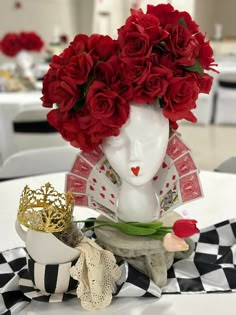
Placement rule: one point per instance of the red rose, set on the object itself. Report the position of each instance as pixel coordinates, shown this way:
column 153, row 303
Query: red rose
column 93, row 130
column 101, row 47
column 79, row 68
column 205, row 53
column 31, row 41
column 80, row 43
column 155, row 85
column 169, row 61
column 107, row 71
column 48, row 79
column 69, row 127
column 143, row 23
column 185, row 228
column 204, row 82
column 136, row 45
column 106, row 105
column 135, row 70
column 180, row 98
column 124, row 88
column 65, row 123
column 167, row 15
column 161, row 11
column 182, row 45
column 11, row 44
column 59, row 62
column 64, row 92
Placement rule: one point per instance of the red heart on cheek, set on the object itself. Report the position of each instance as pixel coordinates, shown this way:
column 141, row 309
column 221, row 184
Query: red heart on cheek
column 164, row 165
column 135, row 170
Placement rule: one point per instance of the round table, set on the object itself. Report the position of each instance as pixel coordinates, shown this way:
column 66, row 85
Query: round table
column 218, row 204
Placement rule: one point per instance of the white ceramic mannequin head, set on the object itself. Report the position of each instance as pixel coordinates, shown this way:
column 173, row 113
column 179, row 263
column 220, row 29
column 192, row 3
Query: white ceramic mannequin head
column 136, row 155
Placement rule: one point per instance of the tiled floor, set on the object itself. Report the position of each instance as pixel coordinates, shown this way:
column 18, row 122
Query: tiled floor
column 210, row 144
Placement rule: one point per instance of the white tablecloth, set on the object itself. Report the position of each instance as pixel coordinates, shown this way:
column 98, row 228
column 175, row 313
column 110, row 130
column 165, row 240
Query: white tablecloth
column 218, row 204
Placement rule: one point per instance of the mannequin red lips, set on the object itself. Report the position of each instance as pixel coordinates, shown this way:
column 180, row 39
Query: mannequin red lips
column 135, row 170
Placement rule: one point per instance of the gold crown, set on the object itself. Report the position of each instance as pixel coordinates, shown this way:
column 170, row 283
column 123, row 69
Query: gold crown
column 45, row 209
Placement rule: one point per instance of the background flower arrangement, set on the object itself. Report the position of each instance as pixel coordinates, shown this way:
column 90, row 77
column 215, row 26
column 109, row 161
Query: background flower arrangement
column 13, row 43
column 158, row 55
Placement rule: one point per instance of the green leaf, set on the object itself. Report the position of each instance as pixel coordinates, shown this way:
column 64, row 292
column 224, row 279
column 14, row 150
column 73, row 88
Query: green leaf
column 151, row 225
column 132, row 230
column 183, row 22
column 196, row 67
column 159, row 47
column 153, row 229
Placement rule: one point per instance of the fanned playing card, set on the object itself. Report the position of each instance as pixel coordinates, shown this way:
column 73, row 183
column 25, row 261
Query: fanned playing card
column 96, row 185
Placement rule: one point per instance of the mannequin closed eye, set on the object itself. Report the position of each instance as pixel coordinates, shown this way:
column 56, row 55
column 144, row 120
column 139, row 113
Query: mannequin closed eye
column 116, row 142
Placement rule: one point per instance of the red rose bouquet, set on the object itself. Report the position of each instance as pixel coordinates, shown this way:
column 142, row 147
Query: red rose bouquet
column 159, row 55
column 12, row 43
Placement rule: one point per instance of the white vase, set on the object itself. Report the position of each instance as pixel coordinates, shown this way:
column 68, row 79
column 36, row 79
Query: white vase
column 136, row 155
column 25, row 64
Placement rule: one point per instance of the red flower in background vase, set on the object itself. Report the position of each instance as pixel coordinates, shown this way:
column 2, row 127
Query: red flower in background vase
column 11, row 44
column 184, row 228
column 31, row 41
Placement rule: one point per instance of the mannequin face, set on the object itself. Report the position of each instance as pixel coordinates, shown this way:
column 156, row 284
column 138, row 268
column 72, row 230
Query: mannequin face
column 138, row 152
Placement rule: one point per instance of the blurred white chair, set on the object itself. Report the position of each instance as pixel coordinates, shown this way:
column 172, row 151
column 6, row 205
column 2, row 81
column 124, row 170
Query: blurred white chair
column 228, row 166
column 225, row 112
column 38, row 161
column 30, row 153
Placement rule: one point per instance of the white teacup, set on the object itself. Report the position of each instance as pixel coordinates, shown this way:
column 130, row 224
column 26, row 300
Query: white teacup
column 45, row 248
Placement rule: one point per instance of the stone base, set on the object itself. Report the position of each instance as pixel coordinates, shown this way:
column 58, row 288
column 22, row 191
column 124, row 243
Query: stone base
column 144, row 253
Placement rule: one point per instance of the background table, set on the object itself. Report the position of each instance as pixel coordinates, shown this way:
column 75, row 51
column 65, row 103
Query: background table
column 218, row 204
column 11, row 104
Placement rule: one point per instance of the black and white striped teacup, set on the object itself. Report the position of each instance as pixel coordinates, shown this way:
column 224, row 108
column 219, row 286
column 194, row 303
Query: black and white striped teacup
column 52, row 278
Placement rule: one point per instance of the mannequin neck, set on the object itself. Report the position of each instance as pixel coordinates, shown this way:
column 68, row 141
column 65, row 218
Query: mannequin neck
column 138, row 203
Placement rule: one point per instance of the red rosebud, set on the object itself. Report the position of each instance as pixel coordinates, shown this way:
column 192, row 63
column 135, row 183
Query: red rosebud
column 185, row 228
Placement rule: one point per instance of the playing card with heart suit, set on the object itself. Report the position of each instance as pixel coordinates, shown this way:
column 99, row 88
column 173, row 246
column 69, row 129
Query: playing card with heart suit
column 93, row 157
column 190, row 187
column 76, row 184
column 101, row 190
column 170, row 200
column 176, row 147
column 86, row 161
column 104, row 168
column 81, row 167
column 162, row 181
column 185, row 164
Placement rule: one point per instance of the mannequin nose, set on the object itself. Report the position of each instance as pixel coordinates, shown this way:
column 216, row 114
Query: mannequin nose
column 135, row 150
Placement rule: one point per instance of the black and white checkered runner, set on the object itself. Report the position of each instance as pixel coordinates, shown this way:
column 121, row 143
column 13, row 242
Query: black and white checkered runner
column 211, row 268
